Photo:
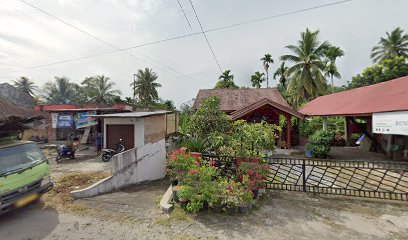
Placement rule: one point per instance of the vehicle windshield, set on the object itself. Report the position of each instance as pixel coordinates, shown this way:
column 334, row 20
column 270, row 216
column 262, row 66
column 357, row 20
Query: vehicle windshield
column 19, row 157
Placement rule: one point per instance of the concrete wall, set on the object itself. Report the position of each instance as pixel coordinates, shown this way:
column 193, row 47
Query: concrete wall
column 137, row 122
column 133, row 166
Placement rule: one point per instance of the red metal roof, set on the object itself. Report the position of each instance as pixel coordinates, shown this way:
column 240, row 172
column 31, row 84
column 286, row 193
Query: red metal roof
column 388, row 96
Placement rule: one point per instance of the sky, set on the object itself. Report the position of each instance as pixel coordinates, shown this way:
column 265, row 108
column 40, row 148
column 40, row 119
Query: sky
column 30, row 38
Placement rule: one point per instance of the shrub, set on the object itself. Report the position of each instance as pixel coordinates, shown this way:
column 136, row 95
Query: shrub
column 194, row 144
column 253, row 175
column 180, row 164
column 186, row 193
column 319, row 143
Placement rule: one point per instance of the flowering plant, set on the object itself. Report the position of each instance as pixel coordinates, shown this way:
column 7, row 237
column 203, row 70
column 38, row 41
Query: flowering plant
column 182, row 166
column 232, row 193
column 253, row 175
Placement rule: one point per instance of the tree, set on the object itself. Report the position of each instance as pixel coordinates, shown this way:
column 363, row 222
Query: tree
column 226, row 81
column 145, row 86
column 61, row 91
column 395, row 44
column 99, row 90
column 331, row 54
column 266, row 61
column 280, row 72
column 388, row 69
column 257, row 79
column 306, row 78
column 26, row 85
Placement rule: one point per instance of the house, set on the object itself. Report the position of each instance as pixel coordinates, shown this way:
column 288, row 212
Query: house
column 136, row 129
column 64, row 119
column 15, row 118
column 379, row 111
column 16, row 96
column 252, row 105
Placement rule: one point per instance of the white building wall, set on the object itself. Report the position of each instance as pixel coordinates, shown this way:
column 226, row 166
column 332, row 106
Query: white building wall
column 137, row 122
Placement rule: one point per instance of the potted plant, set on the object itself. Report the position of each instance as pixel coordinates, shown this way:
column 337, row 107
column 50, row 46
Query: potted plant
column 253, row 176
column 180, row 164
column 185, row 194
column 215, row 195
column 246, row 198
column 232, row 197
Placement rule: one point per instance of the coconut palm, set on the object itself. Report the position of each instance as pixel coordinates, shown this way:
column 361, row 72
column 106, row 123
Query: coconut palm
column 280, row 72
column 395, row 44
column 99, row 90
column 226, row 81
column 26, row 85
column 331, row 54
column 306, row 78
column 61, row 91
column 145, row 86
column 267, row 61
column 257, row 79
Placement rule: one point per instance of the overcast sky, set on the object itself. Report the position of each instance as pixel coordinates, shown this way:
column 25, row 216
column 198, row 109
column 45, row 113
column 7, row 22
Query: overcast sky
column 30, row 38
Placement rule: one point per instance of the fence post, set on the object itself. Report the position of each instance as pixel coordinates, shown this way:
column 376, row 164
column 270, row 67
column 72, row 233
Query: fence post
column 304, row 175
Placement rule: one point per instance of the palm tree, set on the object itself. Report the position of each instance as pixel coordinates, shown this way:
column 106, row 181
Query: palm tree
column 61, row 91
column 257, row 79
column 394, row 45
column 145, row 86
column 280, row 72
column 306, row 78
column 26, row 85
column 331, row 55
column 99, row 90
column 266, row 61
column 226, row 81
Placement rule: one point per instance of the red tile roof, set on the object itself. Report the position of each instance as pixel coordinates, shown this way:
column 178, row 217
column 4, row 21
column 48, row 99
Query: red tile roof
column 388, row 96
column 236, row 99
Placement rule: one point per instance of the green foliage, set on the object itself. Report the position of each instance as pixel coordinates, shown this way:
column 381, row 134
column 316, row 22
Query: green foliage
column 146, row 86
column 388, row 69
column 25, row 85
column 280, row 72
column 395, row 44
column 251, row 140
column 61, row 91
column 179, row 166
column 319, row 143
column 266, row 62
column 331, row 54
column 226, row 81
column 257, row 79
column 98, row 90
column 209, row 119
column 254, row 172
column 195, row 205
column 311, row 125
column 186, row 192
column 194, row 144
column 306, row 77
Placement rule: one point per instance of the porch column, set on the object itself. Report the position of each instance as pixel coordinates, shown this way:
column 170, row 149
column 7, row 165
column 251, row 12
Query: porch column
column 288, row 131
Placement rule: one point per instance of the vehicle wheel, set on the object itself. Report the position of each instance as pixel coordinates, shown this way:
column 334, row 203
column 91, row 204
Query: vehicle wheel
column 106, row 157
column 72, row 156
column 58, row 159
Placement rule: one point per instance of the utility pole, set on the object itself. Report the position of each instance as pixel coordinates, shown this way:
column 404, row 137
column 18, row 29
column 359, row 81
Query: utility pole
column 134, row 88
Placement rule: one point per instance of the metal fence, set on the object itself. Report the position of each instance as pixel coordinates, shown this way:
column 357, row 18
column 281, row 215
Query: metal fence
column 370, row 179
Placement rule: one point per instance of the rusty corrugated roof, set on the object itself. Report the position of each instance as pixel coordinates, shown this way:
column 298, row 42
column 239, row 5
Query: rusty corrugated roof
column 387, row 96
column 236, row 99
column 11, row 110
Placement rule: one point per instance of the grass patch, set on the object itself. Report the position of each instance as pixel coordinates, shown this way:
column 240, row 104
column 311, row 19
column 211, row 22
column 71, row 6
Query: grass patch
column 177, row 215
column 59, row 197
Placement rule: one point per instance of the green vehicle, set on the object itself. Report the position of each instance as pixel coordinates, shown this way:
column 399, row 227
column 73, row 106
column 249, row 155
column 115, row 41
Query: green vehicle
column 24, row 174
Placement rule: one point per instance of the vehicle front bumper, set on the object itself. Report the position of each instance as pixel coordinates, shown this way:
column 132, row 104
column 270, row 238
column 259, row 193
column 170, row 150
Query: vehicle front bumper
column 5, row 207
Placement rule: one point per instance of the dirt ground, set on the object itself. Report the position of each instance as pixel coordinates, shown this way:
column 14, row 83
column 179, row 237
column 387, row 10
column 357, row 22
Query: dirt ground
column 133, row 213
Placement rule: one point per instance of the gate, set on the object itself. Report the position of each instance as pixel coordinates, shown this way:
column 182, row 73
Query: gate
column 385, row 180
column 358, row 178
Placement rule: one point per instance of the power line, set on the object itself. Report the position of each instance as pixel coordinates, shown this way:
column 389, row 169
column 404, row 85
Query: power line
column 185, row 16
column 192, row 34
column 100, row 40
column 205, row 36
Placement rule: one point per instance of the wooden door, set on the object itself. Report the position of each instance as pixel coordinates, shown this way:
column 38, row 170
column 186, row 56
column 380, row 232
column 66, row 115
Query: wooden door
column 116, row 132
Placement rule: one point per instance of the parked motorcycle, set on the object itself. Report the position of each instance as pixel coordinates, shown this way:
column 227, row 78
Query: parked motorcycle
column 64, row 152
column 107, row 154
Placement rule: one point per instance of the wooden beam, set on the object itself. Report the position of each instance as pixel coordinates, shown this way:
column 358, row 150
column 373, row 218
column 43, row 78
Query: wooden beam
column 288, row 131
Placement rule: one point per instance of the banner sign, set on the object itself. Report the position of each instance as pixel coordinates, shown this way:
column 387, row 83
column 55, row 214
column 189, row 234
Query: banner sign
column 391, row 123
column 83, row 120
column 54, row 119
column 65, row 121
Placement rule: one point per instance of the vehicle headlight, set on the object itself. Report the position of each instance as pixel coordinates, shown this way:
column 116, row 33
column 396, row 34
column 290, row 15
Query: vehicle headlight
column 46, row 180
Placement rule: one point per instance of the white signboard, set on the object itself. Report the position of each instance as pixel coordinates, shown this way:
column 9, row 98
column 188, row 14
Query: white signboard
column 54, row 119
column 391, row 123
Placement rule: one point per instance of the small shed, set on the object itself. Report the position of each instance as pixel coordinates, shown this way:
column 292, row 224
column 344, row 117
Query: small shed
column 136, row 129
